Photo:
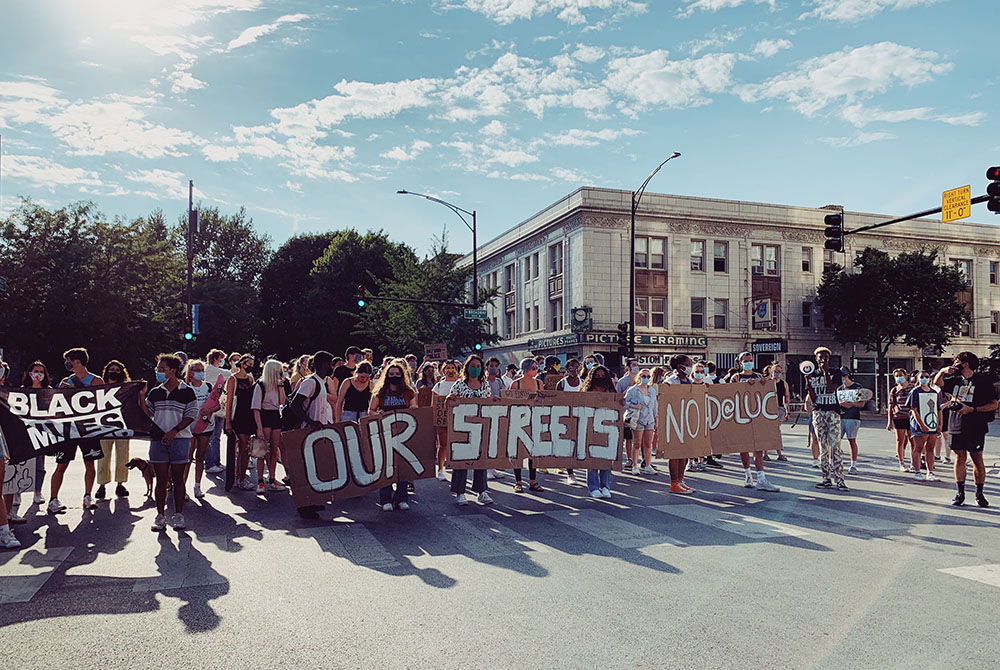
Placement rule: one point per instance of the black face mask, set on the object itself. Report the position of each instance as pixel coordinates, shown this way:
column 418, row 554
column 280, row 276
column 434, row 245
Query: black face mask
column 394, row 380
column 116, row 376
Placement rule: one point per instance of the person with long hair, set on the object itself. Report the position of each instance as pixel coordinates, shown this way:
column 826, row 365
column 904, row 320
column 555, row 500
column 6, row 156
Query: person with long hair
column 470, row 385
column 300, row 370
column 268, row 399
column 393, row 391
column 114, row 372
column 899, row 415
column 427, row 375
column 598, row 380
column 355, row 394
column 240, row 417
column 682, row 372
column 215, row 367
column 37, row 377
column 642, row 397
column 528, row 381
column 924, row 428
column 449, row 375
column 194, row 377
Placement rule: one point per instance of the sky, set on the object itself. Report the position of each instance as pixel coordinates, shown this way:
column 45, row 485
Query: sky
column 312, row 115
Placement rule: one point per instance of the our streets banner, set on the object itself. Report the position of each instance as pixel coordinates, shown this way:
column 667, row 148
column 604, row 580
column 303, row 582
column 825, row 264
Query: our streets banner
column 38, row 422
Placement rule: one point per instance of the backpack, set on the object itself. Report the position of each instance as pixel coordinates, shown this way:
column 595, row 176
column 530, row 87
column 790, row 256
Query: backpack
column 290, row 420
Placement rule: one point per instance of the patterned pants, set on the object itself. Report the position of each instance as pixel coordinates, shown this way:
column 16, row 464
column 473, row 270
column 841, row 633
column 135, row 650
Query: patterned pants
column 831, row 461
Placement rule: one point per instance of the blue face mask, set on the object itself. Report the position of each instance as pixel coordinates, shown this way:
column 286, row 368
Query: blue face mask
column 900, row 380
column 589, row 364
column 924, row 381
column 199, row 376
column 647, row 380
column 748, row 366
column 161, row 377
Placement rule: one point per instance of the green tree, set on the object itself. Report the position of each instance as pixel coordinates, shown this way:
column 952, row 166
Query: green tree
column 910, row 299
column 400, row 328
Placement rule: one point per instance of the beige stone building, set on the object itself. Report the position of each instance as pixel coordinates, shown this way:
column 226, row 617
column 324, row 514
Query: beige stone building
column 713, row 278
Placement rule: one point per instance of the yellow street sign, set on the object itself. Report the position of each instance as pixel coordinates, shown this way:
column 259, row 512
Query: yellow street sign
column 956, row 204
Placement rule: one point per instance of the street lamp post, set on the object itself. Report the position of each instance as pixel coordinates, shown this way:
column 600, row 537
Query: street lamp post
column 459, row 211
column 636, row 196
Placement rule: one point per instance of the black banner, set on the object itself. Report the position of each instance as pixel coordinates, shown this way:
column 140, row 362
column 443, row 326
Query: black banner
column 38, row 422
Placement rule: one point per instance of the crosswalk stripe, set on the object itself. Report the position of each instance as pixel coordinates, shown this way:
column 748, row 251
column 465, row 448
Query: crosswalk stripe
column 483, row 537
column 611, row 529
column 21, row 581
column 732, row 522
column 352, row 542
column 836, row 516
column 985, row 574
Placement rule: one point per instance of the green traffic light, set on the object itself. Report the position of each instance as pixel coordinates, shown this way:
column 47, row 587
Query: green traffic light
column 361, row 303
column 188, row 336
column 479, row 347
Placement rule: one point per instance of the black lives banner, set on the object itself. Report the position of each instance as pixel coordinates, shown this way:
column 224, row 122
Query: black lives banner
column 38, row 422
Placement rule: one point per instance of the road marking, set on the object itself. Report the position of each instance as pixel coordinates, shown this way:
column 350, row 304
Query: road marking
column 483, row 537
column 741, row 524
column 352, row 542
column 22, row 578
column 612, row 530
column 190, row 564
column 985, row 574
column 838, row 517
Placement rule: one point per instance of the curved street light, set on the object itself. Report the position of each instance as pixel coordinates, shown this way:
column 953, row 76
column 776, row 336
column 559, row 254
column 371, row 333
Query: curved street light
column 636, row 196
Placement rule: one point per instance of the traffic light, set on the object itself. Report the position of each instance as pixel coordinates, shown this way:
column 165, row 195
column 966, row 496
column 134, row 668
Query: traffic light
column 834, row 231
column 188, row 328
column 478, row 346
column 362, row 297
column 993, row 190
column 623, row 339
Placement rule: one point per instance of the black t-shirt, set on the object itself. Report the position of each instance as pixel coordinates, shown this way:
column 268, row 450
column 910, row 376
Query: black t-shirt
column 342, row 373
column 976, row 391
column 823, row 389
column 779, row 388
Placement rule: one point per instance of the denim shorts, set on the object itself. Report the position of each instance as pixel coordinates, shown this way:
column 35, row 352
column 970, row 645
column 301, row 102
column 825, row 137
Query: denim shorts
column 175, row 453
column 351, row 415
column 849, row 428
column 645, row 426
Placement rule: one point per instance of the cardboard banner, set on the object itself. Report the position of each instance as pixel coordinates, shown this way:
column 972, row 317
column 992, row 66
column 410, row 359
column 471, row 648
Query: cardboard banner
column 552, row 381
column 440, row 410
column 425, row 397
column 349, row 459
column 436, row 352
column 556, row 429
column 38, row 422
column 19, row 478
column 697, row 420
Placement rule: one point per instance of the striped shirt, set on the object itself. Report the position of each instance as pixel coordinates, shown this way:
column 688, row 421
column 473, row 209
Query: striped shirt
column 169, row 408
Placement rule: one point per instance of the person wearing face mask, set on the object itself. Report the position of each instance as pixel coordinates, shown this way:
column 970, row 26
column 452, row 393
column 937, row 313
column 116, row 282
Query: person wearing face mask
column 924, row 426
column 427, row 376
column 37, row 377
column 393, row 391
column 471, row 385
column 622, row 385
column 308, row 407
column 711, row 373
column 775, row 371
column 973, row 404
column 598, row 381
column 571, row 383
column 497, row 386
column 173, row 407
column 699, row 375
column 114, row 373
column 195, row 377
column 352, row 357
column 821, row 398
column 745, row 374
column 899, row 415
column 239, row 417
column 355, row 395
column 269, row 396
column 449, row 372
column 215, row 368
column 850, row 418
column 642, row 397
column 589, row 363
column 528, row 381
column 682, row 370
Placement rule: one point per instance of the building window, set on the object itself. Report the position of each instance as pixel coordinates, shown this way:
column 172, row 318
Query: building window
column 556, row 259
column 641, row 252
column 697, row 255
column 807, row 315
column 966, row 268
column 764, row 259
column 526, row 270
column 828, row 259
column 697, row 312
column 534, row 265
column 995, row 323
column 720, row 262
column 657, row 256
column 721, row 314
column 807, row 259
column 657, row 312
column 641, row 312
column 508, row 279
column 508, row 322
column 535, row 323
column 775, row 320
column 527, row 319
column 556, row 309
column 994, row 271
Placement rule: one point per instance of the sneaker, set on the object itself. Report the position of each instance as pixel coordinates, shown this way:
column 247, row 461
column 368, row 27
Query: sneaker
column 676, row 487
column 261, row 487
column 177, row 521
column 903, row 467
column 39, row 499
column 461, row 500
column 387, row 507
column 606, row 491
column 15, row 518
column 404, row 506
column 485, row 499
column 636, row 470
column 958, row 500
column 947, row 459
column 842, row 486
column 919, row 477
column 8, row 541
column 101, row 493
column 491, row 474
column 88, row 502
column 767, row 486
column 597, row 493
column 712, row 463
column 54, row 506
column 246, row 485
column 649, row 470
column 498, row 474
column 749, row 482
column 816, row 463
column 825, row 484
column 544, row 471
column 685, row 486
column 766, row 456
column 931, row 477
column 571, row 480
column 782, row 457
column 121, row 491
column 442, row 476
column 215, row 469
column 198, row 493
column 853, row 470
column 626, row 464
column 981, row 500
column 275, row 486
column 159, row 523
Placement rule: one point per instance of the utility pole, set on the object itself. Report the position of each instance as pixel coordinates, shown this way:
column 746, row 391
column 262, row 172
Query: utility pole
column 188, row 316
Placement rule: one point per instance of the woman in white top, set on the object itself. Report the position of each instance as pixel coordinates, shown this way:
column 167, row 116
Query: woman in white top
column 268, row 399
column 195, row 378
column 572, row 382
column 443, row 388
column 642, row 397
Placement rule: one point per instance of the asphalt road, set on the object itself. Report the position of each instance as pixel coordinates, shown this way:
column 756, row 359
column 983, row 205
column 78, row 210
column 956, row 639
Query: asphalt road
column 888, row 575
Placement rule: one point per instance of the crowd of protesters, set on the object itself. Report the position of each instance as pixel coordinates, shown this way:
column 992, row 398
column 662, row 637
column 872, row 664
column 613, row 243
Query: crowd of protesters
column 193, row 403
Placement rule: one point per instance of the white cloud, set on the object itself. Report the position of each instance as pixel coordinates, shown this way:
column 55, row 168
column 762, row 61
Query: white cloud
column 168, row 183
column 852, row 11
column 98, row 128
column 577, row 137
column 509, row 157
column 716, row 39
column 568, row 175
column 857, row 140
column 44, row 172
column 716, row 5
column 506, row 12
column 184, row 81
column 163, row 14
column 653, row 79
column 849, row 75
column 768, row 47
column 973, row 119
column 252, row 34
column 294, row 187
column 494, row 129
column 588, row 54
column 401, row 153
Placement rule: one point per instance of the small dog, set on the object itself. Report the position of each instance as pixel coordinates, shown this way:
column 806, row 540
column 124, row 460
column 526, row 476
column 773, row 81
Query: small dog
column 146, row 469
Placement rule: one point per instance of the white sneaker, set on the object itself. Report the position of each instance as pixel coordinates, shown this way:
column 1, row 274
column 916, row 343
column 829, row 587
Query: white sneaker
column 55, row 506
column 597, row 493
column 39, row 499
column 498, row 474
column 177, row 521
column 764, row 485
column 14, row 517
column 387, row 507
column 198, row 493
column 749, row 482
column 275, row 486
column 461, row 500
column 919, row 476
column 649, row 470
column 159, row 522
column 88, row 502
column 903, row 467
column 442, row 476
column 8, row 541
column 216, row 469
column 404, row 506
column 485, row 499
column 931, row 477
column 816, row 463
column 636, row 470
column 607, row 492
column 571, row 480
column 247, row 485
column 853, row 470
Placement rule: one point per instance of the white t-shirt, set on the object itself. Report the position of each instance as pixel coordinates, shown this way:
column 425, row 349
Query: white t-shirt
column 211, row 376
column 443, row 387
column 318, row 409
column 564, row 384
column 202, row 392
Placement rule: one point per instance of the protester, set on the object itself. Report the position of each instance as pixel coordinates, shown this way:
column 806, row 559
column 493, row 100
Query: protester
column 37, row 377
column 7, row 539
column 213, row 370
column 682, row 371
column 571, row 383
column 310, row 410
column 268, row 399
column 355, row 395
column 642, row 399
column 589, row 363
column 899, row 415
column 598, row 380
column 114, row 372
column 234, row 361
column 194, row 377
column 821, row 397
column 510, row 374
column 367, row 355
column 527, row 382
column 442, row 388
column 393, row 391
column 411, row 360
column 239, row 417
column 924, row 428
column 427, row 376
column 496, row 385
column 173, row 407
column 699, row 375
column 300, row 370
column 627, row 380
column 775, row 372
column 746, row 375
column 76, row 364
column 973, row 404
column 471, row 385
column 850, row 417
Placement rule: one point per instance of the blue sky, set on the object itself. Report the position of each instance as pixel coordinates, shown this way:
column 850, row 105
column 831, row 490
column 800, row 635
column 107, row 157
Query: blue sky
column 312, row 115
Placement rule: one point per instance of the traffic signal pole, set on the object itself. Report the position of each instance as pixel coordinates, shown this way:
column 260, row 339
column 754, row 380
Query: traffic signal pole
column 188, row 316
column 926, row 212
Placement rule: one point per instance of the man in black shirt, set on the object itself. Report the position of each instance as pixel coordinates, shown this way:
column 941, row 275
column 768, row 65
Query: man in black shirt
column 973, row 402
column 821, row 397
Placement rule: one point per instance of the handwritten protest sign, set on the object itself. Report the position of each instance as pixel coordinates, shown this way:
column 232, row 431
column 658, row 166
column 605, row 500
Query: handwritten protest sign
column 557, row 429
column 425, row 397
column 551, row 382
column 349, row 459
column 440, row 410
column 521, row 394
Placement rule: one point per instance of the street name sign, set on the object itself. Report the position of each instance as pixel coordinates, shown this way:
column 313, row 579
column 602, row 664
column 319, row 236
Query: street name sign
column 475, row 314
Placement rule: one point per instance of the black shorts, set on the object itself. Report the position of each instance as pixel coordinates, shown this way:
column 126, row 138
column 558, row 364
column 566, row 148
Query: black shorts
column 270, row 418
column 970, row 442
column 91, row 450
column 628, row 433
column 901, row 424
